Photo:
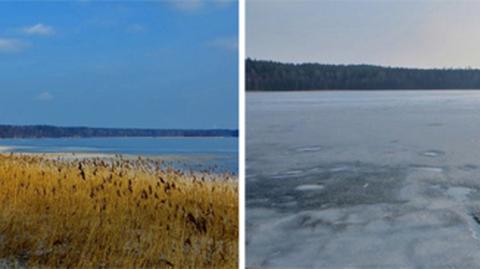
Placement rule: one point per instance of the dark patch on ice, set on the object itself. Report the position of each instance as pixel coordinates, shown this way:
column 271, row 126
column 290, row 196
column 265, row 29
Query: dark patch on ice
column 469, row 167
column 340, row 188
column 307, row 221
column 474, row 226
column 476, row 218
column 294, row 173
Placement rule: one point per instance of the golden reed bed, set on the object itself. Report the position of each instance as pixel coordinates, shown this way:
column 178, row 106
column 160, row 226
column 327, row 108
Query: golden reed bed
column 114, row 214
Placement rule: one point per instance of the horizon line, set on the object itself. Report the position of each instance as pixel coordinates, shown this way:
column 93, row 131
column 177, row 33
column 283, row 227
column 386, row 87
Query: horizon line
column 121, row 128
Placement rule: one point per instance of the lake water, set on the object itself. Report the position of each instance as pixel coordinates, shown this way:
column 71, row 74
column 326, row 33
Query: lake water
column 363, row 179
column 218, row 154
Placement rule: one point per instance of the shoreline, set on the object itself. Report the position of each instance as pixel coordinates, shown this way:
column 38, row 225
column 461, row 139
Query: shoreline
column 72, row 155
column 121, row 137
column 179, row 163
column 360, row 90
column 6, row 149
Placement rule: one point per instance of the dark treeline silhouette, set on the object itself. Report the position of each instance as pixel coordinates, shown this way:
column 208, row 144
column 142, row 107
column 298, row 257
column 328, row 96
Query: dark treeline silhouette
column 276, row 76
column 44, row 131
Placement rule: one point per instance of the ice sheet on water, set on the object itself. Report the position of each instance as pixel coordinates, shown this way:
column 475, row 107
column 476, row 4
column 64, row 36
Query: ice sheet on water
column 370, row 236
column 408, row 198
column 426, row 221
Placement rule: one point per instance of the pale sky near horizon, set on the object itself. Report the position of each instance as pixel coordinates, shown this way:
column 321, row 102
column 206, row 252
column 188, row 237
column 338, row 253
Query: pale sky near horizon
column 421, row 34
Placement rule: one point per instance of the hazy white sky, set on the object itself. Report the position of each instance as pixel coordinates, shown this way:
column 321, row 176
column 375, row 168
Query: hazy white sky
column 426, row 33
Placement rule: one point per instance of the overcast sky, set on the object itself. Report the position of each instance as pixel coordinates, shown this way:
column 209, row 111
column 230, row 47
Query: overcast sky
column 164, row 64
column 425, row 33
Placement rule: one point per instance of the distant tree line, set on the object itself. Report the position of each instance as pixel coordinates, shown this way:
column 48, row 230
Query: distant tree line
column 275, row 76
column 44, row 131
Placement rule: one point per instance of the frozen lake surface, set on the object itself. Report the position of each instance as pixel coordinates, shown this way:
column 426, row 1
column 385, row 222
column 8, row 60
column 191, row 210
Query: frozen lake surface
column 363, row 179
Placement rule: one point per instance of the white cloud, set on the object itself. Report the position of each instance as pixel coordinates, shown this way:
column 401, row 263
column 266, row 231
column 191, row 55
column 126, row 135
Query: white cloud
column 229, row 43
column 39, row 29
column 8, row 45
column 136, row 28
column 45, row 96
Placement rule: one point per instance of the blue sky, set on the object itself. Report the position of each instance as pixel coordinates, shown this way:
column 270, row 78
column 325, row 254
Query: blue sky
column 167, row 64
column 422, row 33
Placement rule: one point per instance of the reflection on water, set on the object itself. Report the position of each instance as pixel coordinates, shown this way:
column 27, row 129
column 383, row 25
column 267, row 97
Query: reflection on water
column 363, row 179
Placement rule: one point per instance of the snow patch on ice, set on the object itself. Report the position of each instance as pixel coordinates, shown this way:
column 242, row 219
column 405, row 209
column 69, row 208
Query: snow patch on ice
column 433, row 153
column 340, row 169
column 429, row 169
column 309, row 187
column 460, row 194
column 309, row 149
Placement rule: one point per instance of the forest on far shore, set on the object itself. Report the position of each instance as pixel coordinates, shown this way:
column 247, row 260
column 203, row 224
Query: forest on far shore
column 276, row 76
column 44, row 131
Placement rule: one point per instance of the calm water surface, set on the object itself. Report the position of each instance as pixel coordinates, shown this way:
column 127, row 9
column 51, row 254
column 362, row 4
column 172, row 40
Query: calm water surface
column 363, row 179
column 216, row 153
